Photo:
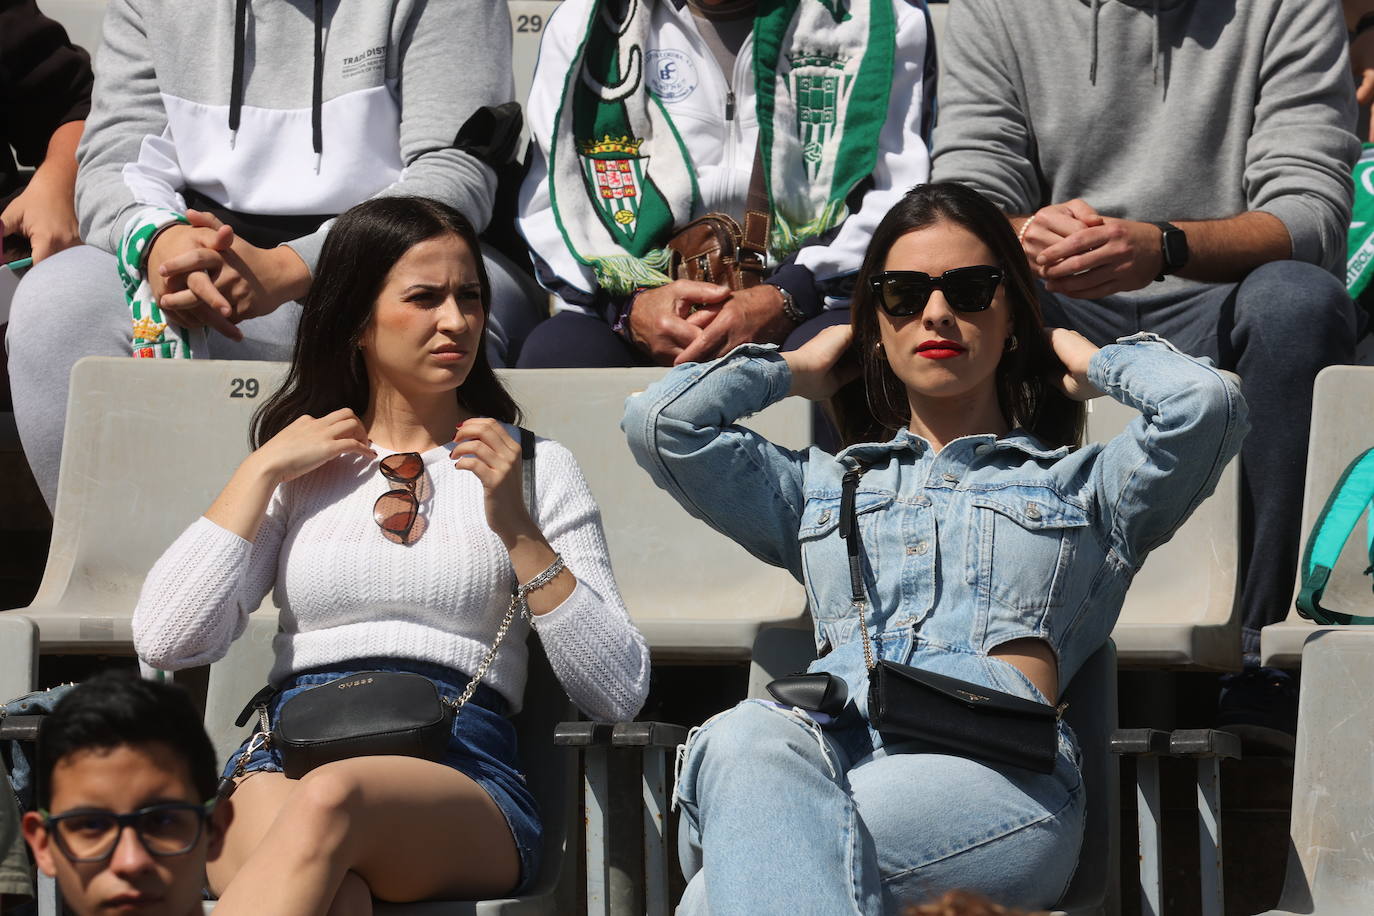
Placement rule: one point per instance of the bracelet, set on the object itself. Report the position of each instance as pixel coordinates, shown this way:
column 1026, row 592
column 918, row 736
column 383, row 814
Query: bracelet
column 789, row 305
column 543, row 579
column 1021, row 236
column 622, row 324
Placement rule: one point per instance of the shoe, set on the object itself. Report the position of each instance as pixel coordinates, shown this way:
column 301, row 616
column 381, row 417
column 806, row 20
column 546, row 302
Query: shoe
column 1260, row 706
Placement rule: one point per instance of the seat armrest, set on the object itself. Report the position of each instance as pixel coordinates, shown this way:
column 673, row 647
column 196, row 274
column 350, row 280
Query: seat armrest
column 1140, row 742
column 582, row 734
column 648, row 734
column 619, row 734
column 20, row 728
column 1204, row 742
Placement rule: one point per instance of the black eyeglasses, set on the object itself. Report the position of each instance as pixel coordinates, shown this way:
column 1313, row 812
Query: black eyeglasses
column 395, row 510
column 902, row 293
column 170, row 829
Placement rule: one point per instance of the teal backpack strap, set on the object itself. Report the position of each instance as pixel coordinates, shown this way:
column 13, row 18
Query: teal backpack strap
column 1347, row 502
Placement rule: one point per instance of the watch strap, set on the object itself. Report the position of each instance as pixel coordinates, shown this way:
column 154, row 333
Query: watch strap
column 1169, row 266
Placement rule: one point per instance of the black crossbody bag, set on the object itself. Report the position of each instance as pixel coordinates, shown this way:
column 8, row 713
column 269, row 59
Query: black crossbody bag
column 905, row 703
column 373, row 713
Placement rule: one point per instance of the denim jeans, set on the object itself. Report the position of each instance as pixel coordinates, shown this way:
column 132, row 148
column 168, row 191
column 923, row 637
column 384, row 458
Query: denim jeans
column 787, row 817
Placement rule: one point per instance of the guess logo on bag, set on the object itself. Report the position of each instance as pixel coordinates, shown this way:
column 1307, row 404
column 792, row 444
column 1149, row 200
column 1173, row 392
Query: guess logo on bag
column 358, row 683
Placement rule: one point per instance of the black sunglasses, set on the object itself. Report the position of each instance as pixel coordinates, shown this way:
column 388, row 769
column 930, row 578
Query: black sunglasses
column 164, row 830
column 903, row 293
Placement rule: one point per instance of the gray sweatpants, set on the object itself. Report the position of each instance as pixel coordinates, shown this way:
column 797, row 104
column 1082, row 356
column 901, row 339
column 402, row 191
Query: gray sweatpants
column 71, row 306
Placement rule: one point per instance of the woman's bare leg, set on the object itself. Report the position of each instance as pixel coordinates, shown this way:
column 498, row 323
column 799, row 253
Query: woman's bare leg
column 410, row 829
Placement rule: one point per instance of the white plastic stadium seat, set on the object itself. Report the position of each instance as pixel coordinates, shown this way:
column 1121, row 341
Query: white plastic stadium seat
column 148, row 446
column 695, row 594
column 1181, row 610
column 150, row 443
column 18, row 657
column 528, row 18
column 1331, row 847
column 1342, row 428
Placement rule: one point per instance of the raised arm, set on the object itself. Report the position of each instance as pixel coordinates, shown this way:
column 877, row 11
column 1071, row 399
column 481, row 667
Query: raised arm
column 197, row 597
column 683, row 431
column 1152, row 476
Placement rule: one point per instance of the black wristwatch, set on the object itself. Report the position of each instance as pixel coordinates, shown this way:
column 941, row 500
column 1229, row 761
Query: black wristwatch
column 1174, row 246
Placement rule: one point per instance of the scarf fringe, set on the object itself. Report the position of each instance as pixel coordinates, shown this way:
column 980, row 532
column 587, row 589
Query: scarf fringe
column 622, row 274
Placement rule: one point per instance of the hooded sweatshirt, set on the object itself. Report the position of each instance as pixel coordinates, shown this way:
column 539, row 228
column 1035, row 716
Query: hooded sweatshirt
column 289, row 110
column 1154, row 110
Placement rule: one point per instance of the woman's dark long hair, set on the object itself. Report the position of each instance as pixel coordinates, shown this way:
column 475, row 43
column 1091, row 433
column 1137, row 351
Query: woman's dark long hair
column 875, row 406
column 327, row 371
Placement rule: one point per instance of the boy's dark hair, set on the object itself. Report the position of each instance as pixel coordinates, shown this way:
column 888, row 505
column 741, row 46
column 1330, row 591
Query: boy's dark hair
column 118, row 708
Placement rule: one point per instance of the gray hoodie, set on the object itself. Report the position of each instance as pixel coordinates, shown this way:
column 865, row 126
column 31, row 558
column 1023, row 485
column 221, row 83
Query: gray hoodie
column 1154, row 110
column 293, row 109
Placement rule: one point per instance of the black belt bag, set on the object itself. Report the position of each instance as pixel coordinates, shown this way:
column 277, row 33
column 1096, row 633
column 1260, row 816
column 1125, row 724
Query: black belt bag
column 950, row 715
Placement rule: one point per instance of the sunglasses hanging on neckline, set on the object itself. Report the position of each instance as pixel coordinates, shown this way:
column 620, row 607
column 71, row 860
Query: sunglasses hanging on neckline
column 395, row 510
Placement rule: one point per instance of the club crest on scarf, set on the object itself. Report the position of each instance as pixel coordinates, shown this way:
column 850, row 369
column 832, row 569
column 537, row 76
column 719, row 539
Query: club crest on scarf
column 615, row 174
column 820, row 86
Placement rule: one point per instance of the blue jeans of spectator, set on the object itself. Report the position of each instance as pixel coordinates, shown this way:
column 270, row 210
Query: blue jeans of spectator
column 1277, row 328
column 781, row 816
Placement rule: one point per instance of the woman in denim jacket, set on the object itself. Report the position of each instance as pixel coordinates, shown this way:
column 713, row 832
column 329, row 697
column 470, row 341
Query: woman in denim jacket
column 994, row 551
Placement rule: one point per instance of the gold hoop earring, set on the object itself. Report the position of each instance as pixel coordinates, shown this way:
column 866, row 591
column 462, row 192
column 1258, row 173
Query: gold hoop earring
column 1012, row 343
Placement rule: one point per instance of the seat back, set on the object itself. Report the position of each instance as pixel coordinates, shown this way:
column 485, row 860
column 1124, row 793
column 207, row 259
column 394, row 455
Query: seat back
column 148, row 446
column 1091, row 713
column 1182, row 609
column 151, row 442
column 693, row 592
column 1342, row 428
column 1331, row 845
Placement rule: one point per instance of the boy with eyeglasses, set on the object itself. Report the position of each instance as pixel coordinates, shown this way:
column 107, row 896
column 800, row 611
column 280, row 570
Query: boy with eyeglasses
column 126, row 784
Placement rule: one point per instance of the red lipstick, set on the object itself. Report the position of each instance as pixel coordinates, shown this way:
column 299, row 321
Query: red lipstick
column 940, row 349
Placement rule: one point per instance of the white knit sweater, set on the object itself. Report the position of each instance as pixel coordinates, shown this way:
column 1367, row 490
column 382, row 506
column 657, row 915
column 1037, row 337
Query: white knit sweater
column 346, row 592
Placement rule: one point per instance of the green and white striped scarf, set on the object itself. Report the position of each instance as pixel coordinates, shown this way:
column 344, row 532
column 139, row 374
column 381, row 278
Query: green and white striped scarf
column 153, row 336
column 619, row 175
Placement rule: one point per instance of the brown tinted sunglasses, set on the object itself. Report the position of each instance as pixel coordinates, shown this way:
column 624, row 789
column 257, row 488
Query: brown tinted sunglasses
column 395, row 511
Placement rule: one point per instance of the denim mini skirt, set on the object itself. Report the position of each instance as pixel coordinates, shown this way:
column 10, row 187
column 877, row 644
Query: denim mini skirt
column 481, row 745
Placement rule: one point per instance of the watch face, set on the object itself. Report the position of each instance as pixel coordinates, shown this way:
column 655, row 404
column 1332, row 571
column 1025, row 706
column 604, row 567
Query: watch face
column 1175, row 248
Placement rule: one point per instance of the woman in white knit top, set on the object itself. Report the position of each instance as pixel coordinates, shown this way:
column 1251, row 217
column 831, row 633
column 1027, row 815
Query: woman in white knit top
column 390, row 361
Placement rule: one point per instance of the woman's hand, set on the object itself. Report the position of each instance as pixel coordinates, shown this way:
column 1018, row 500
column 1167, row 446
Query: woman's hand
column 816, row 369
column 1075, row 351
column 310, row 442
column 297, row 450
column 482, row 446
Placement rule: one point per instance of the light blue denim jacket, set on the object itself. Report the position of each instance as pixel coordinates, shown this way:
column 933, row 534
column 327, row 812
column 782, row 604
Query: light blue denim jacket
column 987, row 541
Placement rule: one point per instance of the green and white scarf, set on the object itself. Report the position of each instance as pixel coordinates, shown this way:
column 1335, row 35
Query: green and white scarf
column 1359, row 265
column 153, row 336
column 620, row 178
